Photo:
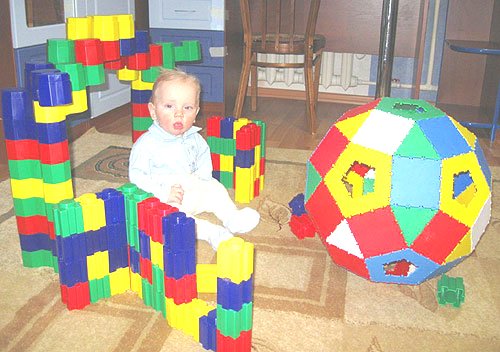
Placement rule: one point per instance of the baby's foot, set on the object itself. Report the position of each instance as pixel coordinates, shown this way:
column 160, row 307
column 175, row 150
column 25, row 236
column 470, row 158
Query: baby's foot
column 218, row 235
column 242, row 221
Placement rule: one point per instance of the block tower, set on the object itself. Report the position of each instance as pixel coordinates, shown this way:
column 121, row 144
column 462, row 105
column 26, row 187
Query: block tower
column 238, row 154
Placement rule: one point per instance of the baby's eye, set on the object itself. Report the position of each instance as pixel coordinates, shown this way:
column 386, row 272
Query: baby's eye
column 189, row 107
column 169, row 106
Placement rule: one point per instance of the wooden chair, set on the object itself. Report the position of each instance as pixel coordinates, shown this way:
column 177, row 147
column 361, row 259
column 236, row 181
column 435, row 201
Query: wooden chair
column 278, row 35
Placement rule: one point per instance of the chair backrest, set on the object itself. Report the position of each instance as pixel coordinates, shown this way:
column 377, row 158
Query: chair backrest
column 281, row 22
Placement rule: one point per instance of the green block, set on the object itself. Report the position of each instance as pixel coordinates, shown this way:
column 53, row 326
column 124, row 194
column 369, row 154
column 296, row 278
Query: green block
column 214, row 144
column 49, row 209
column 158, row 280
column 29, row 206
column 76, row 74
column 141, row 123
column 412, row 221
column 24, row 169
column 94, row 75
column 451, row 290
column 40, row 258
column 228, row 146
column 56, row 173
column 60, row 51
column 227, row 179
column 68, row 218
column 158, row 302
column 133, row 237
column 416, row 145
column 127, row 188
column 150, row 74
column 262, row 137
column 147, row 292
column 168, row 55
column 232, row 323
column 313, row 180
column 409, row 108
column 99, row 288
column 188, row 51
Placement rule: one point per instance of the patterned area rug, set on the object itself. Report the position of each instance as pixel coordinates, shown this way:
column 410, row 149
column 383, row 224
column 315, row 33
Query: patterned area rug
column 302, row 300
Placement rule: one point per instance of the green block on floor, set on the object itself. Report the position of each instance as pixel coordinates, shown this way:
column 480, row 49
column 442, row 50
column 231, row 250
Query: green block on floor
column 232, row 323
column 94, row 75
column 99, row 288
column 147, row 292
column 29, row 206
column 68, row 218
column 227, row 179
column 40, row 258
column 141, row 123
column 56, row 173
column 168, row 55
column 150, row 74
column 76, row 74
column 60, row 51
column 24, row 169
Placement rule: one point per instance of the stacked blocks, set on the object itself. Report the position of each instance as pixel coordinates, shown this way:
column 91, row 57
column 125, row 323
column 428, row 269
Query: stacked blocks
column 238, row 154
column 300, row 223
column 398, row 191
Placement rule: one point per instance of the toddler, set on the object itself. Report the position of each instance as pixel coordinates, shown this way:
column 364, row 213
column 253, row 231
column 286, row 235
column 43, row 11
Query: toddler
column 172, row 161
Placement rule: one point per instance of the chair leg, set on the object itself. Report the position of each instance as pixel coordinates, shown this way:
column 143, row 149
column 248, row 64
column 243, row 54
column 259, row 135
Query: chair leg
column 242, row 88
column 253, row 85
column 317, row 71
column 308, row 73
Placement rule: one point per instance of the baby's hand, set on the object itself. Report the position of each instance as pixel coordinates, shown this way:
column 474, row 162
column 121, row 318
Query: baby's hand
column 176, row 194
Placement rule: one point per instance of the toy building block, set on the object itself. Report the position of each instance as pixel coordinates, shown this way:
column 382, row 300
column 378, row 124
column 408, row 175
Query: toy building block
column 451, row 290
column 297, row 204
column 206, row 278
column 302, row 226
column 60, row 51
column 79, row 28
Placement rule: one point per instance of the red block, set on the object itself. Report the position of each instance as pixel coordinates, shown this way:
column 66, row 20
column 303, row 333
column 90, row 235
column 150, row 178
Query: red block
column 182, row 290
column 227, row 344
column 52, row 230
column 139, row 61
column 328, row 150
column 438, row 239
column 213, row 126
column 262, row 165
column 256, row 187
column 346, row 260
column 89, row 52
column 377, row 232
column 114, row 65
column 147, row 269
column 111, row 50
column 77, row 296
column 31, row 225
column 156, row 55
column 137, row 134
column 155, row 217
column 302, row 226
column 323, row 211
column 23, row 149
column 55, row 153
column 244, row 138
column 359, row 110
column 140, row 110
column 142, row 213
column 215, row 161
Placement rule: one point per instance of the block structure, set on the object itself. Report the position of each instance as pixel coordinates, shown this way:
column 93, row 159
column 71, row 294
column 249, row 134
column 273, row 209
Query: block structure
column 126, row 239
column 238, row 152
column 398, row 191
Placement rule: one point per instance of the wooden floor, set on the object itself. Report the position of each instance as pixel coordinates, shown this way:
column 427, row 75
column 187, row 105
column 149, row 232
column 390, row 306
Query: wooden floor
column 286, row 126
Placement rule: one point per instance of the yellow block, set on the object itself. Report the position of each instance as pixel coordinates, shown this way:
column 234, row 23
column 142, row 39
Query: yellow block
column 226, row 163
column 98, row 265
column 54, row 193
column 261, row 183
column 464, row 247
column 106, row 28
column 119, row 281
column 156, row 253
column 379, row 198
column 257, row 160
column 235, row 260
column 27, row 188
column 239, row 123
column 186, row 316
column 80, row 103
column 141, row 85
column 206, row 278
column 93, row 211
column 136, row 283
column 349, row 127
column 127, row 75
column 243, row 185
column 49, row 114
column 126, row 28
column 79, row 28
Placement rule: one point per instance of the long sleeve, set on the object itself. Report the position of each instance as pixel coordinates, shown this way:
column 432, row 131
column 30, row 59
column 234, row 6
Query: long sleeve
column 204, row 161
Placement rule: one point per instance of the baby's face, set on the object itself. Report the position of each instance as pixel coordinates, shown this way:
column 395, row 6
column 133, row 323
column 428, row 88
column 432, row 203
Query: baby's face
column 175, row 106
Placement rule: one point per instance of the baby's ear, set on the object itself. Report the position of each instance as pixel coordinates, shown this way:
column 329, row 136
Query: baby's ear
column 151, row 109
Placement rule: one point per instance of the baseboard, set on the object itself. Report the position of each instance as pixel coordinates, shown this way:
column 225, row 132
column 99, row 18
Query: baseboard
column 323, row 97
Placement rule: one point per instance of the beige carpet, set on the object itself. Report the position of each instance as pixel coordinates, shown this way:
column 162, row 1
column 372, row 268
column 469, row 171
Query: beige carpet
column 302, row 300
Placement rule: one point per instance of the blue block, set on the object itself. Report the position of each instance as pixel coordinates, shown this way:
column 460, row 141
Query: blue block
column 54, row 89
column 95, row 242
column 141, row 96
column 117, row 236
column 297, row 205
column 118, row 258
column 114, row 205
column 216, row 175
column 208, row 330
column 226, row 127
column 135, row 262
column 52, row 133
column 482, row 162
column 180, row 263
column 231, row 295
column 415, row 182
column 145, row 245
column 35, row 242
column 127, row 47
column 444, row 136
column 71, row 248
column 245, row 158
column 178, row 231
column 424, row 267
column 141, row 42
column 102, row 238
column 34, row 81
column 16, row 130
column 16, row 104
column 34, row 66
column 72, row 272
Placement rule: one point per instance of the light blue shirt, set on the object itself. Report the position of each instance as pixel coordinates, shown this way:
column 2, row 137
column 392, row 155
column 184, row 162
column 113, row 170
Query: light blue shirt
column 158, row 153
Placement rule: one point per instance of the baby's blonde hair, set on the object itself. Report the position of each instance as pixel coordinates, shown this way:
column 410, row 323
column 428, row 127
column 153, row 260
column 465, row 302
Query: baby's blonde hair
column 167, row 75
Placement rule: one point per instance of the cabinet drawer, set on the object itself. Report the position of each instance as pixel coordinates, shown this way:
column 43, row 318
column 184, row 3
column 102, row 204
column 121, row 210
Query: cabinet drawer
column 211, row 79
column 207, row 39
column 187, row 14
